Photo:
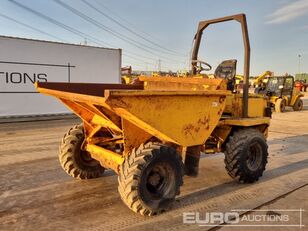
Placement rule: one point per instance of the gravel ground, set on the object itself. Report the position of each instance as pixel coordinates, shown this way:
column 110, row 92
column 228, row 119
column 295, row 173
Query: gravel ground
column 36, row 194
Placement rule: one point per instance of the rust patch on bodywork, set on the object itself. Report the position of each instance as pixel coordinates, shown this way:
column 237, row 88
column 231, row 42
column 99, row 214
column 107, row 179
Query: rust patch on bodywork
column 194, row 128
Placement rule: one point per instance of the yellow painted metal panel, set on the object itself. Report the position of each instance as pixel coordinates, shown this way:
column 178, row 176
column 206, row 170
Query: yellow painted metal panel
column 256, row 105
column 74, row 96
column 133, row 136
column 99, row 120
column 153, row 93
column 246, row 122
column 104, row 154
column 184, row 118
column 182, row 84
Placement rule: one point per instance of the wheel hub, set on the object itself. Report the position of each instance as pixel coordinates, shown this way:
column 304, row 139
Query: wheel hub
column 155, row 179
column 254, row 157
column 158, row 180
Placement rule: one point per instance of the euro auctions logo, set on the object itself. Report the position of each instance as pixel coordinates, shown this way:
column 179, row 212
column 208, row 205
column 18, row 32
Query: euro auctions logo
column 211, row 218
column 247, row 218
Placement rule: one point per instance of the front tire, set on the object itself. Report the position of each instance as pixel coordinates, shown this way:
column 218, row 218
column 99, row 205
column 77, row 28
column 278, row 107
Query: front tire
column 246, row 155
column 150, row 178
column 76, row 162
column 280, row 105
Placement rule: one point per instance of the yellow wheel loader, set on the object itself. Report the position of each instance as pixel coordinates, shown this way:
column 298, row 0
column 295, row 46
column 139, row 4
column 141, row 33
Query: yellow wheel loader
column 151, row 133
column 282, row 92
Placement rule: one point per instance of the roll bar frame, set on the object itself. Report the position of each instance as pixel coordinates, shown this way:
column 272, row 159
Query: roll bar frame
column 241, row 18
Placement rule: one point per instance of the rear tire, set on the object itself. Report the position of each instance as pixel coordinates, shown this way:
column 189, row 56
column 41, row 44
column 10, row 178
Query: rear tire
column 150, row 178
column 246, row 155
column 280, row 105
column 298, row 105
column 76, row 162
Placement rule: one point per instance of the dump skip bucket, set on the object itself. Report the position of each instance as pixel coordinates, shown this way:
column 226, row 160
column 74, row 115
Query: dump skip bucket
column 185, row 114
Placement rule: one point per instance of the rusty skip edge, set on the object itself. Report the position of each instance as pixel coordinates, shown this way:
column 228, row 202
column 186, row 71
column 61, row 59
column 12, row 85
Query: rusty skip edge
column 127, row 92
column 82, row 91
column 111, row 93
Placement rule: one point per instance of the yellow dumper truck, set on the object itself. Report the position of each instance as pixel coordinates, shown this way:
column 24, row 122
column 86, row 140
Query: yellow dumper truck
column 152, row 132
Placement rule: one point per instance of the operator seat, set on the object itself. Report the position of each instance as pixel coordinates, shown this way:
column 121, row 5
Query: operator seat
column 227, row 70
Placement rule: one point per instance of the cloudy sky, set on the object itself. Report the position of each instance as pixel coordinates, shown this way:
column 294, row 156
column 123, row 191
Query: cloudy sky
column 151, row 30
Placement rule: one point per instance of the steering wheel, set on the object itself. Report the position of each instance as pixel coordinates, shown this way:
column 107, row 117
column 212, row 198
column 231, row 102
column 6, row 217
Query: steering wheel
column 200, row 68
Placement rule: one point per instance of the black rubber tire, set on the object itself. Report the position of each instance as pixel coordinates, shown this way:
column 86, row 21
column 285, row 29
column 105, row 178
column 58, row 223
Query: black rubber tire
column 298, row 105
column 280, row 105
column 135, row 175
column 238, row 153
column 74, row 161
